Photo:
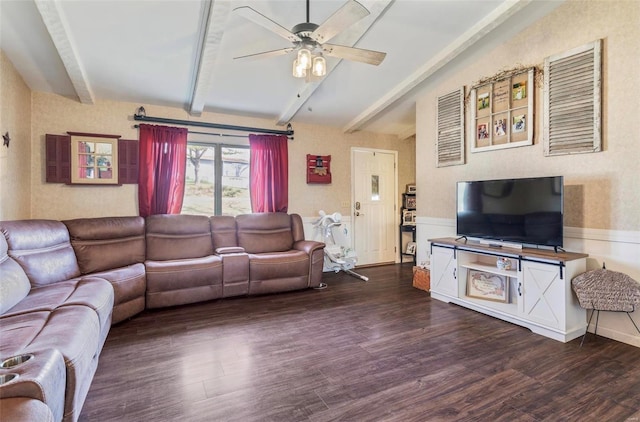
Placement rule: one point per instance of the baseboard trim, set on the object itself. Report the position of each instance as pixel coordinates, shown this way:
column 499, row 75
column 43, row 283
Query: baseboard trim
column 633, row 340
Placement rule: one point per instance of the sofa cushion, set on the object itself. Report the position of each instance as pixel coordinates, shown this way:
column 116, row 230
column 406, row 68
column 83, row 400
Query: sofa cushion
column 278, row 265
column 223, row 231
column 14, row 284
column 278, row 272
column 129, row 286
column 94, row 293
column 297, row 227
column 43, row 250
column 105, row 243
column 264, row 232
column 182, row 281
column 178, row 237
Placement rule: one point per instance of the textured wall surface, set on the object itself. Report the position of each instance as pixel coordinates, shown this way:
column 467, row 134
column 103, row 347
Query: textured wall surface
column 57, row 115
column 15, row 161
column 601, row 188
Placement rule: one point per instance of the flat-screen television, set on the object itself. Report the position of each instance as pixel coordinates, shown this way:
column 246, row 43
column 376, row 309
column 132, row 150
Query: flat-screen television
column 524, row 211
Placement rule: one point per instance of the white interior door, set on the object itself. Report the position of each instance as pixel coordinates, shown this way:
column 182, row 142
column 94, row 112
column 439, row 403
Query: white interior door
column 374, row 205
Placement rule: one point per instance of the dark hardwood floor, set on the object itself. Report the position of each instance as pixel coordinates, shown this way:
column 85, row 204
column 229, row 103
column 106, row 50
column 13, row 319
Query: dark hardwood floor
column 356, row 351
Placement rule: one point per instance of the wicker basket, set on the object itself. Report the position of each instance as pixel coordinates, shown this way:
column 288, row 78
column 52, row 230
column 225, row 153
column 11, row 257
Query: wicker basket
column 421, row 279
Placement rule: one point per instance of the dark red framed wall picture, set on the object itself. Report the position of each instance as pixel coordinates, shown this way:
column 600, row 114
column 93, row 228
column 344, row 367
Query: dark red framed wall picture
column 318, row 168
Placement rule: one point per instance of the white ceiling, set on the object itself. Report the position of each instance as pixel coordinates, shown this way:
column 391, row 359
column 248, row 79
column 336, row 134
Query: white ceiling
column 180, row 53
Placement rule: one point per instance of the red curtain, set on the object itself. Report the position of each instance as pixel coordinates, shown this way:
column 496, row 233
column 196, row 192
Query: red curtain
column 163, row 158
column 269, row 173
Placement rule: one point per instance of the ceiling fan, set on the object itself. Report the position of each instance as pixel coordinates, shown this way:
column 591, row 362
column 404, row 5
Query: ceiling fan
column 311, row 40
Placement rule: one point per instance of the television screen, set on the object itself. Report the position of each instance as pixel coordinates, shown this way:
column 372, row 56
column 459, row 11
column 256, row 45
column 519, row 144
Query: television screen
column 527, row 211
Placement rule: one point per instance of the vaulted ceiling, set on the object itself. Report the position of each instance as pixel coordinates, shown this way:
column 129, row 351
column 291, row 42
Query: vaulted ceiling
column 181, row 54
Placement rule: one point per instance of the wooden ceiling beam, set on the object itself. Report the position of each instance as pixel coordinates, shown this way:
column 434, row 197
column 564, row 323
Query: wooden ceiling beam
column 214, row 20
column 56, row 24
column 453, row 50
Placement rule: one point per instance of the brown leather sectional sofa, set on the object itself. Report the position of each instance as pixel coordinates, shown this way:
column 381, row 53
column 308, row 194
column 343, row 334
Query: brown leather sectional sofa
column 63, row 284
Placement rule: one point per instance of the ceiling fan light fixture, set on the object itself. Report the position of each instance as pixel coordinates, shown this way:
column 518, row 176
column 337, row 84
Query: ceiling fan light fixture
column 304, row 58
column 319, row 66
column 299, row 71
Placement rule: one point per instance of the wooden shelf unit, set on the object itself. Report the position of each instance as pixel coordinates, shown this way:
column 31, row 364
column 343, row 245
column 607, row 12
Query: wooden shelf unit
column 540, row 297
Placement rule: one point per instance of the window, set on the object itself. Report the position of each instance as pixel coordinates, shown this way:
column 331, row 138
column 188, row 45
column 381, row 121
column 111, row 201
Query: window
column 217, row 180
column 94, row 159
column 58, row 159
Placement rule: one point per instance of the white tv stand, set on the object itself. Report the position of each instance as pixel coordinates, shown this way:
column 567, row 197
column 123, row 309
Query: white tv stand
column 539, row 295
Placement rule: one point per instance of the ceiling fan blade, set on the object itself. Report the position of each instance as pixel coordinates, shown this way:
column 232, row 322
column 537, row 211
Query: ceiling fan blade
column 257, row 17
column 355, row 54
column 343, row 18
column 267, row 54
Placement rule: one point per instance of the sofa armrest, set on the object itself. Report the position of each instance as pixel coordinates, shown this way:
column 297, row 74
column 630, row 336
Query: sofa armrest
column 229, row 249
column 308, row 246
column 25, row 409
column 42, row 378
column 315, row 250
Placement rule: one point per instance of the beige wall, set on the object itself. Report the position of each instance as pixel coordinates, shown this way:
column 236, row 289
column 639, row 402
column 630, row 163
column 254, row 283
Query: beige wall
column 15, row 161
column 602, row 203
column 601, row 188
column 57, row 115
column 308, row 199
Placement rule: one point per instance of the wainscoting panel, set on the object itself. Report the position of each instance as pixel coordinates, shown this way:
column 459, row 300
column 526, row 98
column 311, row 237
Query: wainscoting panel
column 341, row 234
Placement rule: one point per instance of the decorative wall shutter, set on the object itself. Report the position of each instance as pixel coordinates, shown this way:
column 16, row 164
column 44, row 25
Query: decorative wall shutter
column 58, row 158
column 572, row 101
column 450, row 126
column 128, row 151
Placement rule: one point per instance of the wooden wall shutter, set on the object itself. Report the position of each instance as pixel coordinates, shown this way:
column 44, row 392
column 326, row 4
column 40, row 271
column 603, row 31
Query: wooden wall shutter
column 572, row 101
column 58, row 158
column 450, row 126
column 127, row 161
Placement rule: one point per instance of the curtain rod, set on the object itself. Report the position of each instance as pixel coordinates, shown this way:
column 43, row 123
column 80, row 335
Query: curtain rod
column 143, row 118
column 222, row 135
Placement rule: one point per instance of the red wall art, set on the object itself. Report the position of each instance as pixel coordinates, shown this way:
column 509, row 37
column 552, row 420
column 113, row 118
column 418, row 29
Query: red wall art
column 318, row 168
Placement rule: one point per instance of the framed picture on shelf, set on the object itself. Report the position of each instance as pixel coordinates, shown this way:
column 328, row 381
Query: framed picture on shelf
column 411, row 248
column 488, row 286
column 409, row 201
column 408, row 218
